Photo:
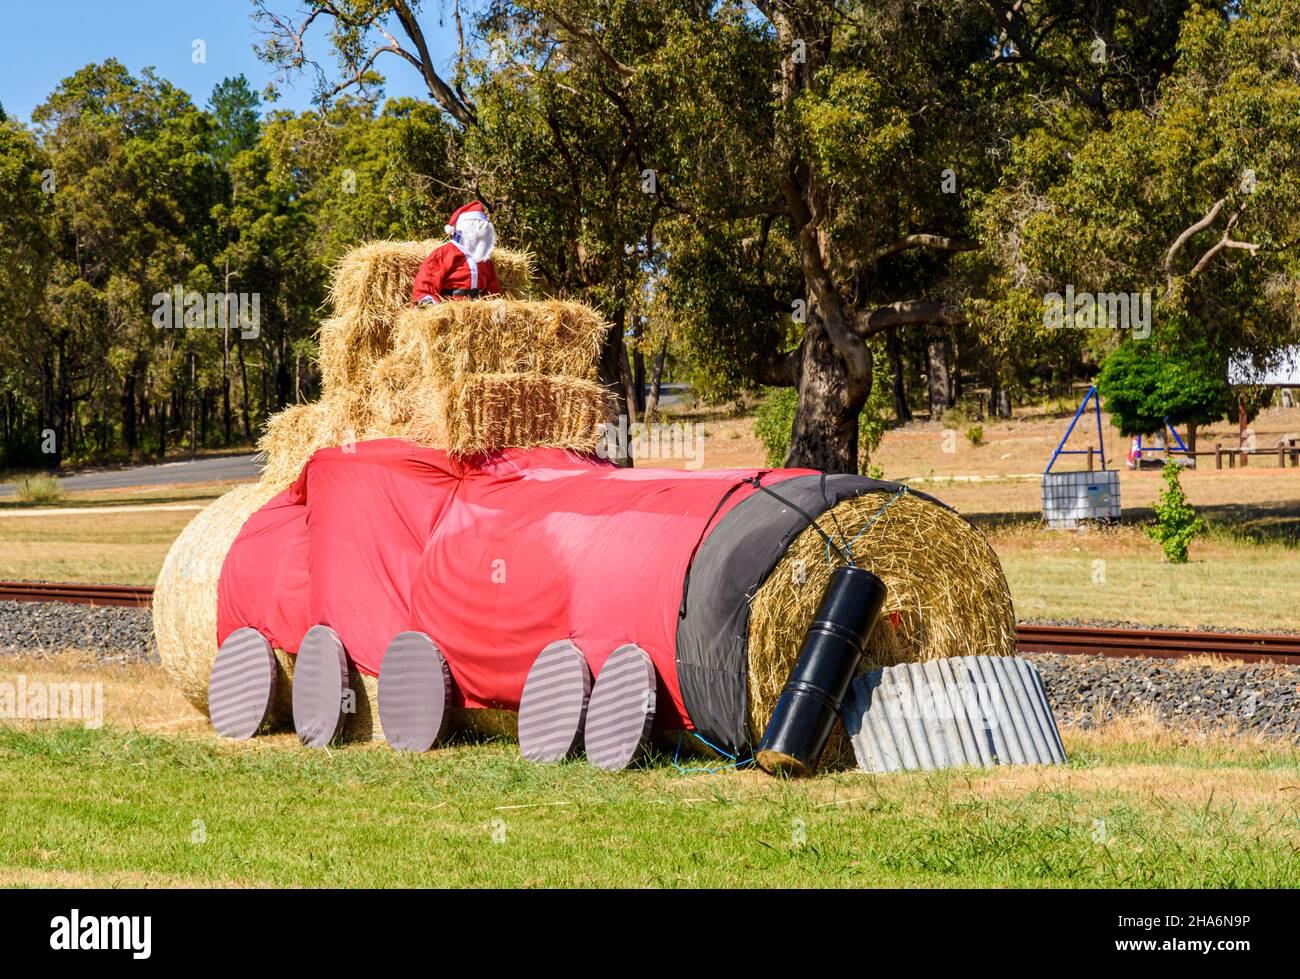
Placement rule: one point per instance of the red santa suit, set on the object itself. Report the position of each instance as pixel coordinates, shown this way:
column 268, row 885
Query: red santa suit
column 462, row 268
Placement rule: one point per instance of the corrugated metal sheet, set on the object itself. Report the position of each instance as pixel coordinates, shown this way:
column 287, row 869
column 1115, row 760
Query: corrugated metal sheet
column 967, row 710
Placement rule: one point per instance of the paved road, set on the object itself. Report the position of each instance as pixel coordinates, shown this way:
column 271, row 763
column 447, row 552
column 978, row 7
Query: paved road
column 211, row 469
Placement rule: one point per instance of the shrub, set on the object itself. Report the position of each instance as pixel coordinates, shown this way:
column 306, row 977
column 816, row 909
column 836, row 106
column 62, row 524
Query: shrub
column 773, row 420
column 39, row 489
column 975, row 435
column 1176, row 520
column 774, row 417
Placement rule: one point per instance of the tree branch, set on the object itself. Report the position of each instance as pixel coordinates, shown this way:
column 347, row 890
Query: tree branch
column 593, row 42
column 939, row 242
column 1196, row 228
column 293, row 54
column 908, row 312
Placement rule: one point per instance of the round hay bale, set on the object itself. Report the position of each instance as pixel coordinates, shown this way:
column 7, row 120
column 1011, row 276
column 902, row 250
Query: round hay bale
column 947, row 596
column 363, row 723
column 185, row 595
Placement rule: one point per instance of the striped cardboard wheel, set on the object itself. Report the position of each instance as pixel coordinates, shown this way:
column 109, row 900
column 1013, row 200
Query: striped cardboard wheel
column 242, row 684
column 553, row 705
column 320, row 677
column 622, row 708
column 414, row 689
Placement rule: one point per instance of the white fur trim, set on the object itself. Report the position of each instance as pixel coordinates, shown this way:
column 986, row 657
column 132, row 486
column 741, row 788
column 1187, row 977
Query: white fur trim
column 448, row 229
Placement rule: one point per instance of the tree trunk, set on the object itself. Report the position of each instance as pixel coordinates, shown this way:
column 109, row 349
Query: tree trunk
column 894, row 348
column 128, row 409
column 629, row 392
column 825, row 432
column 835, row 376
column 937, row 377
column 193, row 405
column 638, row 368
column 656, row 383
column 609, row 373
column 243, row 391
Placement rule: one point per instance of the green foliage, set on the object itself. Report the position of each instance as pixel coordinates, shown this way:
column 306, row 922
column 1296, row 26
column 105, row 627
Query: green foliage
column 40, row 488
column 1141, row 387
column 234, row 110
column 124, row 190
column 773, row 419
column 1177, row 523
column 975, row 435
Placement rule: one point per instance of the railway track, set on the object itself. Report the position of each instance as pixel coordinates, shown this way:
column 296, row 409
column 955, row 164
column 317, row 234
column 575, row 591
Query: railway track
column 1157, row 643
column 48, row 591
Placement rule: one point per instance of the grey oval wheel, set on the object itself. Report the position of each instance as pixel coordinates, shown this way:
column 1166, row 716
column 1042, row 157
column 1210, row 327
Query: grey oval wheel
column 414, row 690
column 320, row 678
column 242, row 686
column 553, row 706
column 622, row 708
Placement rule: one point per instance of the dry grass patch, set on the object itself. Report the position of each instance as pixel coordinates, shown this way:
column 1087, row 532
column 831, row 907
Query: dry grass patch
column 107, row 548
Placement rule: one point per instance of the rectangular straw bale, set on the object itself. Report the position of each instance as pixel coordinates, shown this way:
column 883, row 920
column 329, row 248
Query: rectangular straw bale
column 482, row 412
column 502, row 336
column 371, row 286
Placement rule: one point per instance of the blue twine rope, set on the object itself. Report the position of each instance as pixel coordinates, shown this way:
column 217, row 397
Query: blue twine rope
column 684, row 770
column 848, row 545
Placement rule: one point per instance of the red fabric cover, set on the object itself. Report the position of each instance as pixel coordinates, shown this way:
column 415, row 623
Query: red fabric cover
column 493, row 561
column 448, row 268
column 264, row 579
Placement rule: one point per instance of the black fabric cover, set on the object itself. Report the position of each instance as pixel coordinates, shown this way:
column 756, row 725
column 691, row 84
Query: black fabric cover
column 730, row 566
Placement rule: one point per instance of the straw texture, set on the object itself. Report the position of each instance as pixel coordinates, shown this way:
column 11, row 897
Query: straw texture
column 464, row 376
column 947, row 596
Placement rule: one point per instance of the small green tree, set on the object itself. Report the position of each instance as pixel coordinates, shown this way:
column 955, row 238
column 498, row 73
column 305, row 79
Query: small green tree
column 1143, row 385
column 1176, row 520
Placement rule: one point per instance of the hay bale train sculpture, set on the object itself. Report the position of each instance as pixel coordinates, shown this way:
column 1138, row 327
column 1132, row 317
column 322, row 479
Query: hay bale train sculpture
column 439, row 544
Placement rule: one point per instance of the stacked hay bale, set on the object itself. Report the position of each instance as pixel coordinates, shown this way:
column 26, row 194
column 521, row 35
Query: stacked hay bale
column 462, row 376
column 467, row 377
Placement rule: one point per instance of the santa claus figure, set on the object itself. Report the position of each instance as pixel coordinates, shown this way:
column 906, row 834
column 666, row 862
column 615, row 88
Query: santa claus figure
column 462, row 268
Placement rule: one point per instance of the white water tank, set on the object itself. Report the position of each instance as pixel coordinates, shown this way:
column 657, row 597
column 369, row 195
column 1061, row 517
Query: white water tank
column 1071, row 498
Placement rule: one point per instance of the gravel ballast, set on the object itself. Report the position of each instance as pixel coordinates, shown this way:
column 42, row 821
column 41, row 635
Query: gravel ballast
column 113, row 634
column 1254, row 697
column 1259, row 697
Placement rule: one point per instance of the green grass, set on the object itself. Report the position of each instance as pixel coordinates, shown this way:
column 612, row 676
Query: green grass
column 83, row 807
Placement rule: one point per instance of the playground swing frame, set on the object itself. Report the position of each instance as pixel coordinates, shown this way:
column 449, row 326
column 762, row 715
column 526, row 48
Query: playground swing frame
column 1061, row 450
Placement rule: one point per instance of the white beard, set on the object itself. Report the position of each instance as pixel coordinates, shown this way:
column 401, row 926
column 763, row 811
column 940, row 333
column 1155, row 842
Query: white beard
column 476, row 239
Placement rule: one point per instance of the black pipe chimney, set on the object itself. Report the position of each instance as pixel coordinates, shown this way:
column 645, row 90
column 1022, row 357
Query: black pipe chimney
column 828, row 660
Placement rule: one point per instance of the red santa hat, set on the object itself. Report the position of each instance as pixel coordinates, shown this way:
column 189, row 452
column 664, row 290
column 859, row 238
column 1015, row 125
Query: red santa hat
column 474, row 211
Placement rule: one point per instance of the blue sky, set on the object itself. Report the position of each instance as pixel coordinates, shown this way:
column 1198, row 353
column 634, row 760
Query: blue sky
column 44, row 41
